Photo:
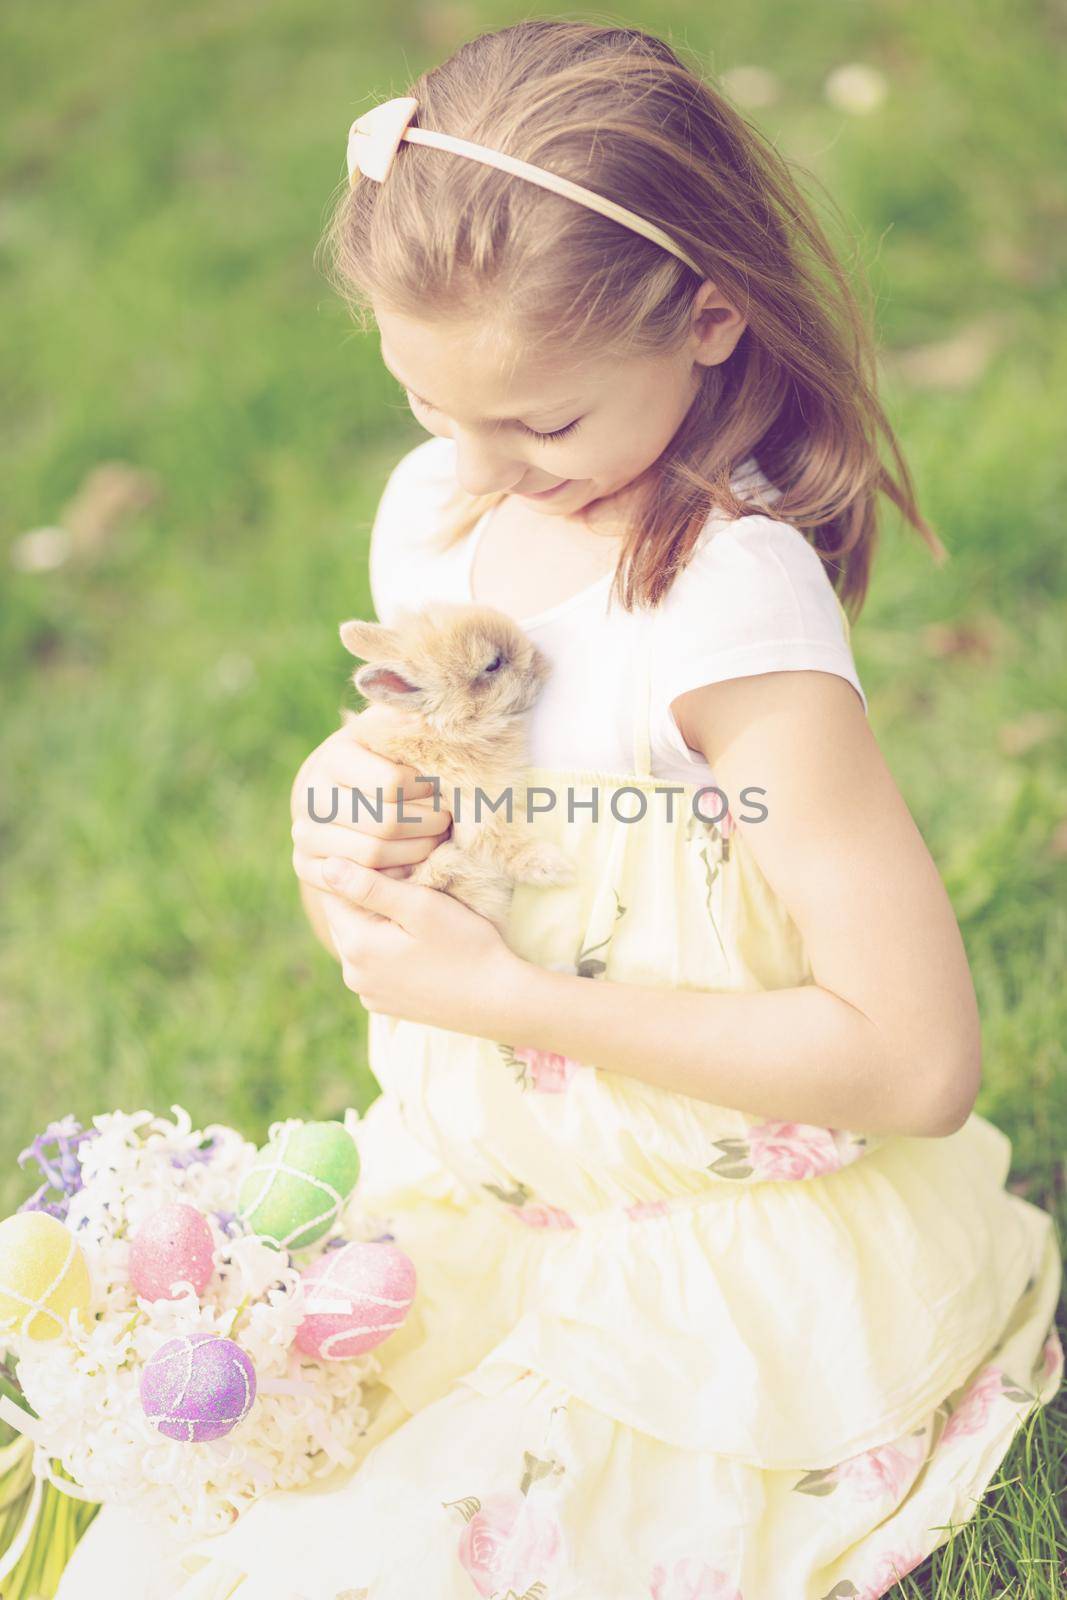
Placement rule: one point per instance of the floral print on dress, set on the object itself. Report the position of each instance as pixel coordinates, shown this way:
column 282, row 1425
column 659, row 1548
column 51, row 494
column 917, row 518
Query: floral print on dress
column 691, row 1578
column 885, row 1472
column 646, row 1208
column 586, row 963
column 970, row 1407
column 887, row 1572
column 971, row 1414
column 772, row 1152
column 715, row 838
column 888, row 1469
column 544, row 1071
column 534, row 1213
column 512, row 1546
column 1050, row 1360
column 542, row 1216
column 776, row 1152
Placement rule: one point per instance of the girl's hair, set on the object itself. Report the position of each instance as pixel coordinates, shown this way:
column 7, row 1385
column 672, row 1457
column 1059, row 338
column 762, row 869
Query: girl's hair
column 449, row 239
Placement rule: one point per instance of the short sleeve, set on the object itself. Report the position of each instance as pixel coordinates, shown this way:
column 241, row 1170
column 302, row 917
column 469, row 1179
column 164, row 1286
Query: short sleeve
column 755, row 597
column 415, row 491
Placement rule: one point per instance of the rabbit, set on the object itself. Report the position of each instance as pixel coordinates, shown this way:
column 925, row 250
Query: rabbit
column 460, row 678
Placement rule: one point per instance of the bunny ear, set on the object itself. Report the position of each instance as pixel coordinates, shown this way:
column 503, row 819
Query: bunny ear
column 370, row 641
column 388, row 686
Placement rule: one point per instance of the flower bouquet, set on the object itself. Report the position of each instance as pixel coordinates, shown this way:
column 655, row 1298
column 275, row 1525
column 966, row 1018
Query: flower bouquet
column 186, row 1324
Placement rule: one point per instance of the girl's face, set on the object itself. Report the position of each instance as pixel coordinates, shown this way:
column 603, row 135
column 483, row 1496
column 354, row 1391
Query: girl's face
column 558, row 435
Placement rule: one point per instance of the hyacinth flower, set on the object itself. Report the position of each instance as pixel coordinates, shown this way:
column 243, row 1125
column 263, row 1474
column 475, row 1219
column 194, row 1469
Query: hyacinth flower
column 62, row 1170
column 202, row 1152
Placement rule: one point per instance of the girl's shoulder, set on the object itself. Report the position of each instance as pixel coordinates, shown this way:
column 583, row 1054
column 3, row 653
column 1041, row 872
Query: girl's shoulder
column 763, row 570
column 754, row 597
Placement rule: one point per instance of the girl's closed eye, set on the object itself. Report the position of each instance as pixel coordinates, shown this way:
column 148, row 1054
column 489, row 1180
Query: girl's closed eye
column 557, row 433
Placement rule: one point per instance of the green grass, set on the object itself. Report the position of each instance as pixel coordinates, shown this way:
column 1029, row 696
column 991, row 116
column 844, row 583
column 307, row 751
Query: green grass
column 166, row 173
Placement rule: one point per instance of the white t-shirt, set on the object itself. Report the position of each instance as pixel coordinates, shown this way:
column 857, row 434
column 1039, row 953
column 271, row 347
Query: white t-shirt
column 754, row 597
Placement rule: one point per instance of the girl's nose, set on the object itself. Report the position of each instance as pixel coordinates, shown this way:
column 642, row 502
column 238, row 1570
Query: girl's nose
column 483, row 470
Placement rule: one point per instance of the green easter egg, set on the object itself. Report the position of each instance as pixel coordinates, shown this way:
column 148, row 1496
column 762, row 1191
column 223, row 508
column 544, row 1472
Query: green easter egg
column 295, row 1190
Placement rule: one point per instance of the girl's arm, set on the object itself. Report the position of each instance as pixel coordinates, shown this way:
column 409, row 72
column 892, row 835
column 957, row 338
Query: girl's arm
column 887, row 1038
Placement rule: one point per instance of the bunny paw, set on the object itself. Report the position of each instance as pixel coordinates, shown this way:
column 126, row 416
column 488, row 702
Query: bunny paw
column 440, row 869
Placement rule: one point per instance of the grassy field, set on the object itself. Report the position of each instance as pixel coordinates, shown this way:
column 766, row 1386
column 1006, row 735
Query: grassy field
column 166, row 173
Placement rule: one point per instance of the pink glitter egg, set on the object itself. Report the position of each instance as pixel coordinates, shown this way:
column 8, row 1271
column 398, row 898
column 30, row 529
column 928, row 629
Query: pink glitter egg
column 174, row 1243
column 197, row 1387
column 357, row 1296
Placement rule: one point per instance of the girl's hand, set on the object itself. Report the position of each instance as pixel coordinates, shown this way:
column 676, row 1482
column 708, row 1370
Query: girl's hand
column 343, row 763
column 417, row 953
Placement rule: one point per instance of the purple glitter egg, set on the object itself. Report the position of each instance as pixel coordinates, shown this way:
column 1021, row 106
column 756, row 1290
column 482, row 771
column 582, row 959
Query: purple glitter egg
column 197, row 1387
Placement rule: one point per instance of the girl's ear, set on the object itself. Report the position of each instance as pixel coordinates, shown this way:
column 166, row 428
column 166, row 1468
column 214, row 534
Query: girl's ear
column 388, row 686
column 370, row 641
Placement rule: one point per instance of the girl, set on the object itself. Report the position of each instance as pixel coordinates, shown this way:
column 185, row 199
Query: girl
column 720, row 1293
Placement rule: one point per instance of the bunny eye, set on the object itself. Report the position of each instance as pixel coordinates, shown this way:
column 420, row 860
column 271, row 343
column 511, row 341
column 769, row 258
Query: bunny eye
column 495, row 664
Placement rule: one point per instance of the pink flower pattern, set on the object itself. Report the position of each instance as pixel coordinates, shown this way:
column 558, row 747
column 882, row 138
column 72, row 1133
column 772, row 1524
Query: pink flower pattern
column 792, row 1150
column 1051, row 1355
column 691, row 1578
column 972, row 1412
column 885, row 1471
column 550, row 1072
column 774, row 1152
column 544, row 1216
column 509, row 1544
column 778, row 1152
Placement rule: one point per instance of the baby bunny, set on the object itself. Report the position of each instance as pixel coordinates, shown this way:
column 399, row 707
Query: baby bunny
column 460, row 679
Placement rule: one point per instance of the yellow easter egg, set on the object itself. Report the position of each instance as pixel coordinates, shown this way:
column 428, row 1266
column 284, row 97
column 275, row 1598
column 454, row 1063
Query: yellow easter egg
column 43, row 1276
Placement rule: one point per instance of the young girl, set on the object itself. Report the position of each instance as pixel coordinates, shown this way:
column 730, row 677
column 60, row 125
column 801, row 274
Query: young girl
column 720, row 1292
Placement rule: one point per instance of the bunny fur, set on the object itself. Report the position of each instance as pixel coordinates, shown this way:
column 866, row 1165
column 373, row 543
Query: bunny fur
column 460, row 679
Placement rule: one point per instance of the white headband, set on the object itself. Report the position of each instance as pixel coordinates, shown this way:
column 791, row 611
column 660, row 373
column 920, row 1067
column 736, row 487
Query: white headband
column 374, row 138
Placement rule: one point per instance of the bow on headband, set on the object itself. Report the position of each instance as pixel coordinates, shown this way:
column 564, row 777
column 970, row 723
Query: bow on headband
column 374, row 138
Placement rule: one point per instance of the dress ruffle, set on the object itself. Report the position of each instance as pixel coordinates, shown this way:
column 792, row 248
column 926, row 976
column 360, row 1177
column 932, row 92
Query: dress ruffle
column 908, row 1264
column 683, row 1325
column 682, row 1322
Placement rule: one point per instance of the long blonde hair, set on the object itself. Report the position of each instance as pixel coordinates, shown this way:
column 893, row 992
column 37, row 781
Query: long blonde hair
column 444, row 238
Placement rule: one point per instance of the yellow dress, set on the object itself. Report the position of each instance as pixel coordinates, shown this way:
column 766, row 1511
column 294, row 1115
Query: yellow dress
column 661, row 1349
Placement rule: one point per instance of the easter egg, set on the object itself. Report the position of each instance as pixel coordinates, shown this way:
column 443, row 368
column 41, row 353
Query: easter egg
column 299, row 1183
column 43, row 1275
column 356, row 1296
column 197, row 1387
column 173, row 1243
